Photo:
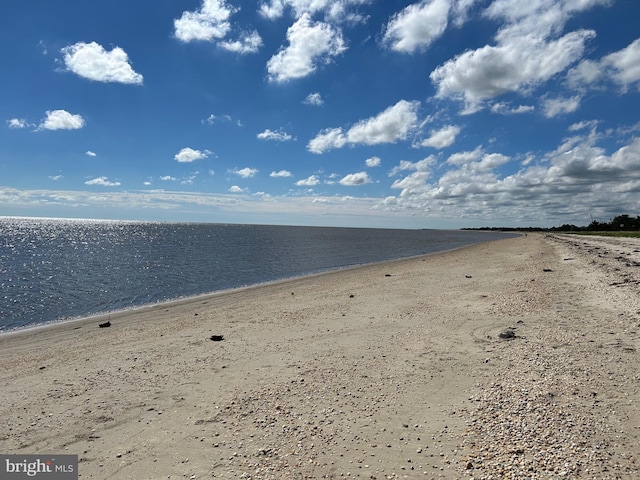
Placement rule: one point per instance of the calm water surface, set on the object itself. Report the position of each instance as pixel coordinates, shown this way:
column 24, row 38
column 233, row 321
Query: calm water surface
column 53, row 269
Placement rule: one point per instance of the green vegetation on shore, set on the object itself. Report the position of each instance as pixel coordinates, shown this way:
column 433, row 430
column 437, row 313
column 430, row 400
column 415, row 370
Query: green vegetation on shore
column 619, row 226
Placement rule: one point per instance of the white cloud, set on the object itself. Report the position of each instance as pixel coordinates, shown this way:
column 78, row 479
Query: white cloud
column 327, row 139
column 373, row 162
column 445, row 137
column 308, row 182
column 310, row 43
column 273, row 10
column 314, row 99
column 102, row 181
column 56, row 177
column 211, row 21
column 187, row 155
column 625, row 65
column 280, row 174
column 61, row 120
column 423, row 166
column 334, row 10
column 89, row 153
column 17, row 123
column 168, row 178
column 244, row 172
column 516, row 66
column 504, row 109
column 552, row 107
column 236, row 189
column 528, row 51
column 92, row 61
column 279, row 136
column 460, row 10
column 395, row 123
column 391, row 125
column 585, row 124
column 463, row 158
column 353, row 179
column 249, row 42
column 417, row 26
column 621, row 67
column 566, row 183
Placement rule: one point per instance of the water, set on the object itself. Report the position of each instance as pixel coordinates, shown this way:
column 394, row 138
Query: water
column 54, row 269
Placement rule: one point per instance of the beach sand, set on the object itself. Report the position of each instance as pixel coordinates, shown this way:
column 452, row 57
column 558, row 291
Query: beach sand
column 394, row 370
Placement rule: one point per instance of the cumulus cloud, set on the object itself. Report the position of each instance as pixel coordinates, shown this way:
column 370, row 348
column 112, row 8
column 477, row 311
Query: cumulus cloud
column 61, row 120
column 310, row 43
column 92, row 61
column 504, row 109
column 17, row 123
column 516, row 66
column 423, row 166
column 445, row 137
column 552, row 107
column 327, row 139
column 314, row 99
column 244, row 172
column 621, row 67
column 279, row 136
column 573, row 182
column 373, row 162
column 354, row 179
column 334, row 10
column 89, row 153
column 249, row 42
column 102, row 181
column 417, row 26
column 209, row 22
column 529, row 51
column 187, row 155
column 393, row 124
column 311, row 181
column 236, row 189
column 280, row 174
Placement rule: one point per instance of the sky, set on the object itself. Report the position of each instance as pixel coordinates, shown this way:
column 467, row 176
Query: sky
column 365, row 113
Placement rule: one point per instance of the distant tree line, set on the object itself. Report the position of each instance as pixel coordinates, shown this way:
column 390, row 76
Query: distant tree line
column 619, row 223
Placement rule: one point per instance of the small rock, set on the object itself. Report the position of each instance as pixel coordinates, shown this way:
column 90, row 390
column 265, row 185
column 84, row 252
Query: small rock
column 507, row 334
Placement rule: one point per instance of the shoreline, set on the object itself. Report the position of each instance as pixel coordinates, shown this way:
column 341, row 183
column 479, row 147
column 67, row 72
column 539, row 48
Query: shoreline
column 194, row 298
column 395, row 370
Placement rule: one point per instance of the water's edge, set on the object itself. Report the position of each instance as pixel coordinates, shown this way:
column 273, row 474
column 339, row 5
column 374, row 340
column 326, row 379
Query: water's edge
column 125, row 312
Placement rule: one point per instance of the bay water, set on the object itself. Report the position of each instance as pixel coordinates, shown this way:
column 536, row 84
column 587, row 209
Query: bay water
column 57, row 269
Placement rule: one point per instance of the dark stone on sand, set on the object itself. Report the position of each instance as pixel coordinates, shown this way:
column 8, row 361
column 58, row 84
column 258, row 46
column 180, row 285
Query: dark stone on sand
column 507, row 334
column 105, row 324
column 351, row 296
column 387, row 274
column 216, row 338
column 547, row 270
column 468, row 276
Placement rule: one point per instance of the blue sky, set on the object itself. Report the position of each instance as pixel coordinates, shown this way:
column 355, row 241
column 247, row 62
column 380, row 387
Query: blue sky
column 432, row 114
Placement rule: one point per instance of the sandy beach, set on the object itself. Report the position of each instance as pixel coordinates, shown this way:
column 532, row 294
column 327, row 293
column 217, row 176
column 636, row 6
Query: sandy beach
column 510, row 359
